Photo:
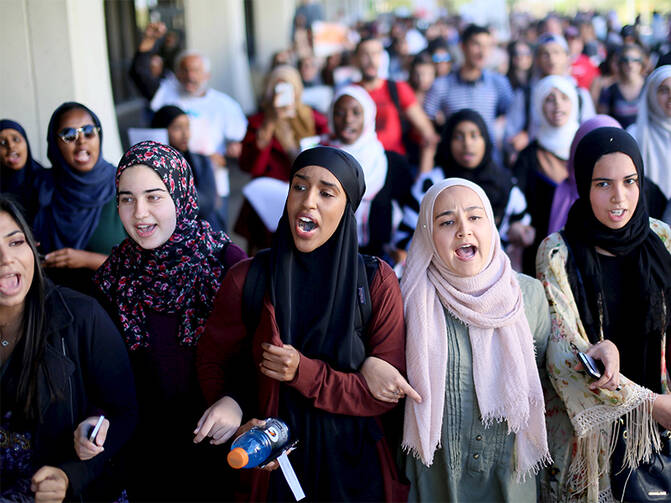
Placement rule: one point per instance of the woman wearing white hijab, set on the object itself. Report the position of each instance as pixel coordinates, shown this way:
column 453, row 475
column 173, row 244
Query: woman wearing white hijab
column 652, row 128
column 352, row 122
column 542, row 166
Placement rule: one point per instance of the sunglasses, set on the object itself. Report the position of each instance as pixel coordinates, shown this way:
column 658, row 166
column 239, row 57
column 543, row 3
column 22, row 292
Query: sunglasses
column 70, row 134
column 441, row 58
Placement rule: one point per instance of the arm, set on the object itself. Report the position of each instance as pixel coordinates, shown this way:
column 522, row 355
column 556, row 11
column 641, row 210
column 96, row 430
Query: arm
column 257, row 146
column 109, row 385
column 74, row 259
column 346, row 392
column 140, row 72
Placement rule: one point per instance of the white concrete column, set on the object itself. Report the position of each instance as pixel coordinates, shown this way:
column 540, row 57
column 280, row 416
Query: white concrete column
column 272, row 28
column 216, row 28
column 55, row 51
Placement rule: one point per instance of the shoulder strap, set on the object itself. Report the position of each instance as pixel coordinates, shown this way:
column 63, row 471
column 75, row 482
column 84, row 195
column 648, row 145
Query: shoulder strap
column 367, row 269
column 393, row 92
column 254, row 290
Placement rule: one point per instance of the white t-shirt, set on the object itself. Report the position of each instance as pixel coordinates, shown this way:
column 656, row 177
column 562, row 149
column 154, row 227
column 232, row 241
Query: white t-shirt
column 215, row 119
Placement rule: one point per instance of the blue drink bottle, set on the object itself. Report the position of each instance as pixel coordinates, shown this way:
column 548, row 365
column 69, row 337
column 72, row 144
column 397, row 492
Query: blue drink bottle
column 254, row 447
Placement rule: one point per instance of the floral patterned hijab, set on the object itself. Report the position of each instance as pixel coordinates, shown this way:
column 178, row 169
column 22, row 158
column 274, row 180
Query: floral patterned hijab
column 182, row 275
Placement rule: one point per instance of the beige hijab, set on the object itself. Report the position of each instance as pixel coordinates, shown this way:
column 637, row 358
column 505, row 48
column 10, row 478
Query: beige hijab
column 490, row 303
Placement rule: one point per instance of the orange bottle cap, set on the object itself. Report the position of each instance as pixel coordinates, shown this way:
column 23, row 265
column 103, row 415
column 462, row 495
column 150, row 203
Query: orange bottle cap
column 238, row 458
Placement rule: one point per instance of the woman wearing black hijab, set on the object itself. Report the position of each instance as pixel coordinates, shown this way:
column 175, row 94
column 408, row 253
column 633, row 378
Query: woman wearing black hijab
column 175, row 120
column 20, row 174
column 465, row 151
column 607, row 276
column 303, row 362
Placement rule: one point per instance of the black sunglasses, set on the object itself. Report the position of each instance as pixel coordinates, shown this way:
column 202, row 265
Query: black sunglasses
column 70, row 134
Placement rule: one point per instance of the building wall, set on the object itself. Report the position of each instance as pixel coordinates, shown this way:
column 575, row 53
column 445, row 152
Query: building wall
column 55, row 51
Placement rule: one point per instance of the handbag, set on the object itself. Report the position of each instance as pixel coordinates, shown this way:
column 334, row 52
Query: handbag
column 649, row 481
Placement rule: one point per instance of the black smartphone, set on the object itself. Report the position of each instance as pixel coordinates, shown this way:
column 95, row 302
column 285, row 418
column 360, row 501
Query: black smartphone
column 593, row 367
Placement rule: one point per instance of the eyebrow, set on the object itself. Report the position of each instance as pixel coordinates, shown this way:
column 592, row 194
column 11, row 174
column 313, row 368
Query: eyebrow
column 450, row 212
column 323, row 182
column 17, row 231
column 604, row 179
column 144, row 192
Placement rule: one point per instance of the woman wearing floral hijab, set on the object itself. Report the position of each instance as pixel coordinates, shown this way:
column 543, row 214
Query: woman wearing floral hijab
column 159, row 286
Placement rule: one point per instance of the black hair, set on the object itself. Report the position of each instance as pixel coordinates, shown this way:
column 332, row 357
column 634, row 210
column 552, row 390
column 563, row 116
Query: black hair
column 422, row 58
column 512, row 74
column 363, row 41
column 32, row 324
column 471, row 31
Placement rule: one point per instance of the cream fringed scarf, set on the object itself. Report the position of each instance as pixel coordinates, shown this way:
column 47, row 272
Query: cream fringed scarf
column 504, row 367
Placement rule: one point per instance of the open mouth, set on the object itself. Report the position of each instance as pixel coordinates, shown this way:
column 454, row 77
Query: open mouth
column 466, row 252
column 82, row 156
column 10, row 283
column 305, row 225
column 145, row 230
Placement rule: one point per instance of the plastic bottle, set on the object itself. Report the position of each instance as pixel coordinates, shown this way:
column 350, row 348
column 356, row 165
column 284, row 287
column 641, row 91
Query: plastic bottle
column 252, row 448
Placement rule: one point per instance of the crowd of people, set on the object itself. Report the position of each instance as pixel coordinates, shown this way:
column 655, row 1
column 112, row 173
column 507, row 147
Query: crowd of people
column 438, row 227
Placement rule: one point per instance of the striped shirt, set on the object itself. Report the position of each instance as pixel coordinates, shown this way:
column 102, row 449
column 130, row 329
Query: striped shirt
column 490, row 96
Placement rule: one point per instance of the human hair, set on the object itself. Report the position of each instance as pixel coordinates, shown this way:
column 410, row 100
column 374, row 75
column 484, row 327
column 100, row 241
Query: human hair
column 512, row 74
column 32, row 324
column 363, row 41
column 471, row 31
column 422, row 58
column 192, row 52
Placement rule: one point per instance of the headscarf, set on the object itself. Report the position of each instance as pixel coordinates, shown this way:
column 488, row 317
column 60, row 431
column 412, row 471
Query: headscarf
column 290, row 131
column 653, row 131
column 368, row 150
column 78, row 197
column 567, row 192
column 490, row 303
column 316, row 312
column 646, row 256
column 28, row 184
column 182, row 275
column 494, row 180
column 555, row 139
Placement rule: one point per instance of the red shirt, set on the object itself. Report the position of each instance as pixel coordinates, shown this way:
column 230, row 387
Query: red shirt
column 584, row 71
column 387, row 120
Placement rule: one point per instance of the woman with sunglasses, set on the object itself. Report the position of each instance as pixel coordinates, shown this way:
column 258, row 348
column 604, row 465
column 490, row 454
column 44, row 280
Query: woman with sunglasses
column 78, row 229
column 20, row 174
column 62, row 364
column 620, row 99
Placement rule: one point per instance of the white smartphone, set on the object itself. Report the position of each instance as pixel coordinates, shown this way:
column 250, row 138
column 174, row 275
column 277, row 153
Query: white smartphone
column 284, row 94
column 96, row 429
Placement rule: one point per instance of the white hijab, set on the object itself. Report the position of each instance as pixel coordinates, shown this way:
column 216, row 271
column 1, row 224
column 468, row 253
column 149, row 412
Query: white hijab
column 507, row 383
column 555, row 139
column 653, row 132
column 368, row 150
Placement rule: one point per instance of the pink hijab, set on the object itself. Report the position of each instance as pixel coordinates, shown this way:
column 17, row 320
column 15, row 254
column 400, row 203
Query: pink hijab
column 567, row 192
column 490, row 303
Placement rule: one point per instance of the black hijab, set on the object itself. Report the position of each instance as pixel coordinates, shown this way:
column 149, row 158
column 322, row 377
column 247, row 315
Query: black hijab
column 314, row 295
column 494, row 180
column 647, row 261
column 31, row 185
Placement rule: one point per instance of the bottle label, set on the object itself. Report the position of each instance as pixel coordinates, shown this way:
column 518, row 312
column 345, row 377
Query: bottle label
column 276, row 431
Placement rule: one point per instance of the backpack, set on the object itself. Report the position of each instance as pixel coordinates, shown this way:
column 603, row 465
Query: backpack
column 255, row 286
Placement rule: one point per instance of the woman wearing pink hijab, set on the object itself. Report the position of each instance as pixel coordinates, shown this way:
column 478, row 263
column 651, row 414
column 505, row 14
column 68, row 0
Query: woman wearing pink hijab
column 567, row 192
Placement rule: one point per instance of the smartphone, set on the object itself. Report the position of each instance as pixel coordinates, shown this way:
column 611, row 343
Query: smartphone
column 96, row 429
column 284, row 94
column 592, row 367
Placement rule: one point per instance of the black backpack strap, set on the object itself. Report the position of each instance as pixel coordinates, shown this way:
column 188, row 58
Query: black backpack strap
column 254, row 290
column 393, row 92
column 368, row 267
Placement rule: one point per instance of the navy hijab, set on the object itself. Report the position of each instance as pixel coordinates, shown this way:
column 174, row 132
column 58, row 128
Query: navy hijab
column 78, row 198
column 29, row 185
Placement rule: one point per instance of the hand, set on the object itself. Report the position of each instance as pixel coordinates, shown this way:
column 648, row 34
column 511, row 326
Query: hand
column 273, row 465
column 521, row 235
column 430, row 139
column 84, row 448
column 155, row 31
column 385, row 382
column 49, row 485
column 217, row 159
column 520, row 141
column 73, row 259
column 661, row 410
column 280, row 363
column 607, row 352
column 234, row 149
column 219, row 422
